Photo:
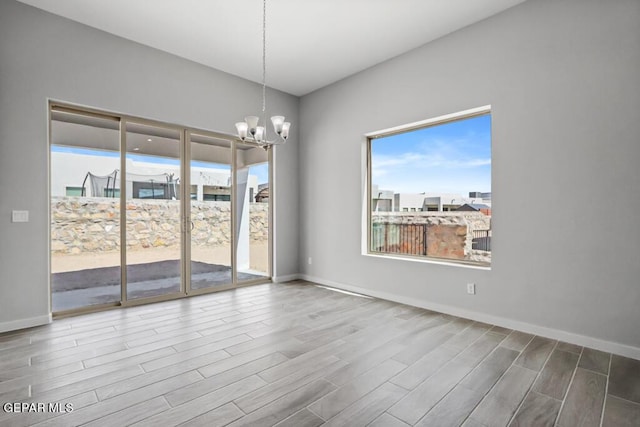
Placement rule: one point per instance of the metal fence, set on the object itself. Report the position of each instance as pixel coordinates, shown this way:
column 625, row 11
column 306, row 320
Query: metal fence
column 481, row 240
column 408, row 239
column 411, row 239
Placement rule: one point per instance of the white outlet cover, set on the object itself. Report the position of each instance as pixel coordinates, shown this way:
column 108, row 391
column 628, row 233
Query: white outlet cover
column 20, row 216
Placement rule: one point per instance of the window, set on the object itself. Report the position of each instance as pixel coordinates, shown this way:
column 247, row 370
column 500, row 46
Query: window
column 73, row 191
column 216, row 193
column 443, row 165
column 217, row 197
column 151, row 190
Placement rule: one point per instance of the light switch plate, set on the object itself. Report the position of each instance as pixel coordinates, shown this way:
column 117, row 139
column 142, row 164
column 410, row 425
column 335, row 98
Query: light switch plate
column 20, row 216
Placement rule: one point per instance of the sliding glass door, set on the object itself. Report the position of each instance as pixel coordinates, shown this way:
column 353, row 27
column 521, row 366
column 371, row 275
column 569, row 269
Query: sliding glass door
column 85, row 210
column 153, row 211
column 210, row 212
column 143, row 211
column 252, row 207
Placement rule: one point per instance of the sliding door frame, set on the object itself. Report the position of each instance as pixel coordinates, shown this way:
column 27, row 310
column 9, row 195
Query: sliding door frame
column 54, row 106
column 270, row 221
column 185, row 133
column 188, row 132
column 124, row 121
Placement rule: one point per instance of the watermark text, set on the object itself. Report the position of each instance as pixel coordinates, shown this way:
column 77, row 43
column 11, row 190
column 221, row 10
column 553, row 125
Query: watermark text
column 26, row 407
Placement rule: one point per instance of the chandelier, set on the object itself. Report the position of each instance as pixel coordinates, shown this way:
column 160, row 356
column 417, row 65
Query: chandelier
column 249, row 129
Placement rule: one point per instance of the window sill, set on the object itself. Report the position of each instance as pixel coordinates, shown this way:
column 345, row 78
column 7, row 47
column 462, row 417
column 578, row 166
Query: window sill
column 460, row 264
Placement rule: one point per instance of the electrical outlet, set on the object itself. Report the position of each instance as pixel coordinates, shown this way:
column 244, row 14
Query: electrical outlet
column 471, row 288
column 309, row 261
column 20, row 216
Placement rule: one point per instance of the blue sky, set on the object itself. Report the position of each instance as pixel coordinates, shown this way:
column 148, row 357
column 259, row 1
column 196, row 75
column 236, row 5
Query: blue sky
column 261, row 171
column 450, row 158
column 85, row 151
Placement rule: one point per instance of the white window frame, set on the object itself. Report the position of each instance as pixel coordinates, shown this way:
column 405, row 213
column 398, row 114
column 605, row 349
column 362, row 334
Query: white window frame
column 367, row 185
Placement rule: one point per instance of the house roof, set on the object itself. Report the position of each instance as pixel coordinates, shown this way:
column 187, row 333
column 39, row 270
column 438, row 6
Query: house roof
column 476, row 206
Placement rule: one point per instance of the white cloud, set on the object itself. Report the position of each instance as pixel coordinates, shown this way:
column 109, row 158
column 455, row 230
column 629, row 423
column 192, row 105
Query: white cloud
column 377, row 172
column 418, row 160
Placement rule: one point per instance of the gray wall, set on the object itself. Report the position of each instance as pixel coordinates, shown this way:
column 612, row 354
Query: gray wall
column 43, row 56
column 562, row 77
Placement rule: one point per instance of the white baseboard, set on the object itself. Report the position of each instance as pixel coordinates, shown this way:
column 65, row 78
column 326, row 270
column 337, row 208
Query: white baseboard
column 25, row 323
column 556, row 334
column 287, row 278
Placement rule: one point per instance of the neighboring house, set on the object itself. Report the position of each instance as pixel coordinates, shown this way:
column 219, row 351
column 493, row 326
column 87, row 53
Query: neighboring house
column 76, row 174
column 431, row 202
column 381, row 200
column 477, row 207
column 263, row 195
column 480, row 195
column 408, row 202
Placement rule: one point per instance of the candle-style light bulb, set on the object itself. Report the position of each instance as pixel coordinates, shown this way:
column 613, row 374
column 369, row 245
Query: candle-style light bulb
column 277, row 121
column 285, row 130
column 252, row 121
column 242, row 128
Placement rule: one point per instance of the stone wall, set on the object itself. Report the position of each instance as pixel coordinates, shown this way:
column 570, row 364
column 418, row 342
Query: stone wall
column 85, row 224
column 446, row 241
column 449, row 234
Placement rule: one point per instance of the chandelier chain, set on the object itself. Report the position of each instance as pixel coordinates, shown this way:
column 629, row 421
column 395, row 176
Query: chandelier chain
column 251, row 128
column 264, row 57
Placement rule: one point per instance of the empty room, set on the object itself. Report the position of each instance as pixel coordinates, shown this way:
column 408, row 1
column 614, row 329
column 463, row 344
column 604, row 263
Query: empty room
column 281, row 213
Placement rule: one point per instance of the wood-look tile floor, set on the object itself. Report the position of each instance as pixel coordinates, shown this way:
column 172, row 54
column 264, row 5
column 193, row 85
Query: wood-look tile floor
column 301, row 355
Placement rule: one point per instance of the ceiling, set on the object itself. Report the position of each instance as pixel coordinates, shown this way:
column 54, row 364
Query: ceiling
column 310, row 43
